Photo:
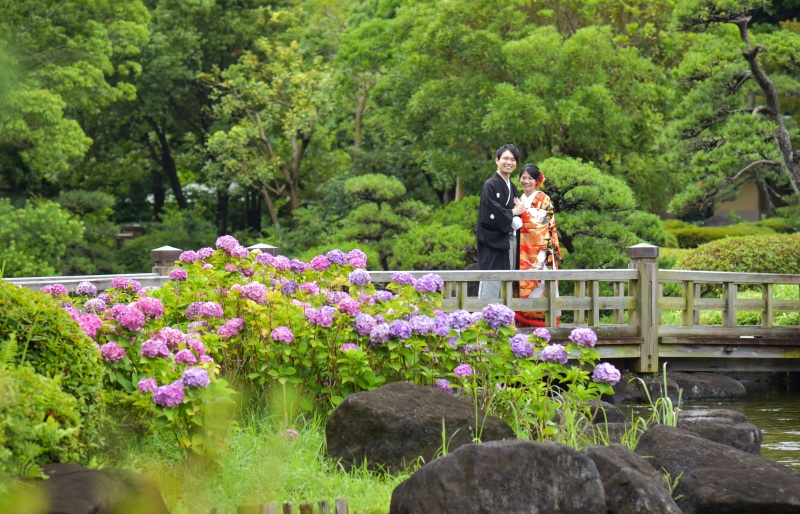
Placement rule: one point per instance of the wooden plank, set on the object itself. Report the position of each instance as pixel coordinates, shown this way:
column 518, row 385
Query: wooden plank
column 604, row 332
column 619, row 352
column 594, row 315
column 731, row 364
column 607, row 275
column 768, row 297
column 729, row 315
column 288, row 508
column 324, row 507
column 688, row 313
column 786, row 305
column 341, row 506
column 696, row 315
column 306, row 508
column 727, row 276
column 738, row 351
column 619, row 293
column 552, row 301
column 719, row 331
column 579, row 315
column 723, row 341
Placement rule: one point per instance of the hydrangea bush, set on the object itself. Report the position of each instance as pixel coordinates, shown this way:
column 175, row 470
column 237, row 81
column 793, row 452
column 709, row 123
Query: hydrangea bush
column 326, row 330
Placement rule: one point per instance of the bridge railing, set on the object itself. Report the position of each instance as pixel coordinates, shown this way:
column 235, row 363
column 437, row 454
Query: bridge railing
column 625, row 307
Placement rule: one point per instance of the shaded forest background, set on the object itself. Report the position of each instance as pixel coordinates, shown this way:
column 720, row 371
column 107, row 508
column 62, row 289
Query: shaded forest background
column 318, row 124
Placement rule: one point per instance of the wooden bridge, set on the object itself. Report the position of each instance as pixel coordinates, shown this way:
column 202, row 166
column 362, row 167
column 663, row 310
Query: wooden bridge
column 629, row 309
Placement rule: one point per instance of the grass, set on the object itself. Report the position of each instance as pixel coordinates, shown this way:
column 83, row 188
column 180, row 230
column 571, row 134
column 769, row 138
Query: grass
column 263, row 465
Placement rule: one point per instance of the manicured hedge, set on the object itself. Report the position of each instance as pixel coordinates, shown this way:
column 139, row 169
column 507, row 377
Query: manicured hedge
column 778, row 253
column 692, row 237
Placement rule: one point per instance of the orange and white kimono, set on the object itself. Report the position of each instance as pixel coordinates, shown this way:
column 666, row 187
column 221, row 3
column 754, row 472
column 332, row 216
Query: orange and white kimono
column 538, row 250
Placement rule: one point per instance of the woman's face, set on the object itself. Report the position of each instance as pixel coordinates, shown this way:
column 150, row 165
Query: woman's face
column 527, row 183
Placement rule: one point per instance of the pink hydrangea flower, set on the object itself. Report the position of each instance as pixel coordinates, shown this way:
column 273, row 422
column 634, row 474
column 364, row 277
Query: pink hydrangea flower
column 282, row 334
column 169, row 395
column 111, row 351
column 185, row 357
column 150, row 306
column 90, row 323
column 129, row 317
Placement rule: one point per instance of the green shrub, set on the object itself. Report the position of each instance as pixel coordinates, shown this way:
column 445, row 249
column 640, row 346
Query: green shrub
column 673, row 224
column 779, row 225
column 433, row 247
column 39, row 422
column 755, row 254
column 463, row 213
column 692, row 237
column 54, row 345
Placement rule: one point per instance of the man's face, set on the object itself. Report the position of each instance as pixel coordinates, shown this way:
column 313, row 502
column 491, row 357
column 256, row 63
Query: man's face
column 506, row 163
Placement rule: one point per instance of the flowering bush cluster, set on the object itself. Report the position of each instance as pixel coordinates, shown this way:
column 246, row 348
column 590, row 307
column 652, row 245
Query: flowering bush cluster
column 326, row 330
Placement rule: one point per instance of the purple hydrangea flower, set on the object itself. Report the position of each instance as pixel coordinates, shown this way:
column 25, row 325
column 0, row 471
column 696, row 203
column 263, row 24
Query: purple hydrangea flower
column 210, row 310
column 429, row 283
column 605, row 372
column 188, row 256
column 422, row 325
column 266, row 258
column 334, row 297
column 111, row 351
column 337, row 256
column 155, row 348
column 349, row 306
column 310, row 287
column 400, row 329
column 147, row 384
column 363, row 324
column 460, row 319
column 205, row 252
column 74, row 313
column 300, row 303
column 129, row 317
column 297, row 266
column 195, row 377
column 543, row 333
column 55, row 290
column 403, row 278
column 357, row 259
column 441, row 325
column 90, row 323
column 230, row 268
column 282, row 334
column 197, row 346
column 206, row 358
column 380, row 333
column 444, row 385
column 554, row 353
column 320, row 263
column 150, row 306
column 497, row 314
column 185, row 357
column 520, row 346
column 95, row 305
column 254, row 291
column 360, row 277
column 227, row 243
column 231, row 328
column 583, row 337
column 322, row 316
column 346, row 347
column 169, row 395
column 197, row 326
column 178, row 274
column 171, row 337
column 463, row 370
column 281, row 263
column 383, row 295
column 239, row 252
column 288, row 288
column 86, row 288
column 208, row 265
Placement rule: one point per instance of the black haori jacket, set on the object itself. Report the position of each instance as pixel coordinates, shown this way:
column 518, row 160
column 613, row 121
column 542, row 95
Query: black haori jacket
column 494, row 224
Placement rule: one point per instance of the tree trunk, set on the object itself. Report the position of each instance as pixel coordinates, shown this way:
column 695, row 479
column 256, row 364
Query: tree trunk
column 273, row 214
column 768, row 206
column 791, row 157
column 361, row 105
column 159, row 194
column 168, row 164
column 223, row 202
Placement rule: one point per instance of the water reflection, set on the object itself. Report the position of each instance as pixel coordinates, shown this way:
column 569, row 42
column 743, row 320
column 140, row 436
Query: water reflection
column 776, row 414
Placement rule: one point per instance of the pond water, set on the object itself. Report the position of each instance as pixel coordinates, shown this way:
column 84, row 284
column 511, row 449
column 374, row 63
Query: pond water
column 777, row 414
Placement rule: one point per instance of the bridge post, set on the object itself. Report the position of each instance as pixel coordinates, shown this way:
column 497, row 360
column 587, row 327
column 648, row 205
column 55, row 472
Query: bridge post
column 643, row 258
column 164, row 259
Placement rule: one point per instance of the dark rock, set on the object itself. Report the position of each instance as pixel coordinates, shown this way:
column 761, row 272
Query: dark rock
column 396, row 424
column 604, row 412
column 723, row 426
column 74, row 489
column 718, row 220
column 630, row 492
column 708, row 386
column 627, row 390
column 613, row 458
column 715, row 478
column 510, row 477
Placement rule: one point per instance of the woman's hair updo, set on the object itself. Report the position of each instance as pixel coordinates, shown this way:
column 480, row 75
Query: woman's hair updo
column 532, row 170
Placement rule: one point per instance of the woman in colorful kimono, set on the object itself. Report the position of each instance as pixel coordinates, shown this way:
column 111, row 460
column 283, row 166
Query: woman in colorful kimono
column 539, row 248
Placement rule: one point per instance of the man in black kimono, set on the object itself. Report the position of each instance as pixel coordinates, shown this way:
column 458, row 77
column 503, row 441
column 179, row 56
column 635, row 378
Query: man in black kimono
column 498, row 220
